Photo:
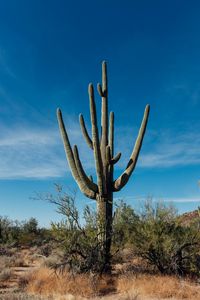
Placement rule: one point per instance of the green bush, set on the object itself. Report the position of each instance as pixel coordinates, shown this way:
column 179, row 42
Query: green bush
column 124, row 222
column 162, row 241
column 25, row 233
column 7, row 230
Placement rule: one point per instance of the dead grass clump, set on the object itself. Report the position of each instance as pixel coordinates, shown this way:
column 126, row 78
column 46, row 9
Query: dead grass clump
column 159, row 286
column 24, row 280
column 13, row 251
column 11, row 261
column 44, row 281
column 19, row 262
column 5, row 274
column 22, row 296
column 5, row 262
column 50, row 261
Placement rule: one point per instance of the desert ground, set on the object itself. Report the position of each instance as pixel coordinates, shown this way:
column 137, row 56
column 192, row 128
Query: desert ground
column 25, row 274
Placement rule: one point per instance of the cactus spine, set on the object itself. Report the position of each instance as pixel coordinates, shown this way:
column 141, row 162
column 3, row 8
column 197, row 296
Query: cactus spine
column 103, row 149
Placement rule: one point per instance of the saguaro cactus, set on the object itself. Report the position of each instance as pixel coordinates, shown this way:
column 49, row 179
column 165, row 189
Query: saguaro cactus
column 103, row 148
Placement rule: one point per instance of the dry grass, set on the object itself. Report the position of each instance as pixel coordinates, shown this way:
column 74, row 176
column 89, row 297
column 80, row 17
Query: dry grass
column 50, row 261
column 21, row 296
column 11, row 261
column 161, row 287
column 44, row 281
column 45, row 284
column 5, row 274
column 5, row 262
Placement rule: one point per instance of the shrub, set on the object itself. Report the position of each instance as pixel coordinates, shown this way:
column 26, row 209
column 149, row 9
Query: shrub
column 25, row 233
column 6, row 232
column 124, row 223
column 164, row 243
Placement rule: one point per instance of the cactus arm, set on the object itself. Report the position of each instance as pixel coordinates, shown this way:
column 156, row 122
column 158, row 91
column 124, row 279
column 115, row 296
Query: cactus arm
column 104, row 112
column 116, row 158
column 104, row 79
column 109, row 159
column 70, row 158
column 108, row 155
column 90, row 177
column 95, row 139
column 111, row 146
column 123, row 179
column 111, row 133
column 91, row 185
column 99, row 89
column 103, row 90
column 84, row 131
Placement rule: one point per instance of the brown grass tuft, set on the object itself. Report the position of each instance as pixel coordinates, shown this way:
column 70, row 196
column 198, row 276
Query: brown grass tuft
column 44, row 281
column 5, row 274
column 162, row 287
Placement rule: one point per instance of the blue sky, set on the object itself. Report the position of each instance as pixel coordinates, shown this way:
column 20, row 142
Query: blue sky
column 51, row 50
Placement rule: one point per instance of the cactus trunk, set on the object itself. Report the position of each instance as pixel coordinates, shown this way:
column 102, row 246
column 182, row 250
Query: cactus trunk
column 104, row 222
column 103, row 148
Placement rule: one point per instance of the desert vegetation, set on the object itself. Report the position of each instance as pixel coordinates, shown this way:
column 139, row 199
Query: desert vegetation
column 154, row 254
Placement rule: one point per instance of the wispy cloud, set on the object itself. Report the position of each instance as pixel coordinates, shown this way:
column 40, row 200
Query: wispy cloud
column 28, row 153
column 32, row 152
column 162, row 199
column 173, row 150
column 161, row 149
column 36, row 153
column 183, row 200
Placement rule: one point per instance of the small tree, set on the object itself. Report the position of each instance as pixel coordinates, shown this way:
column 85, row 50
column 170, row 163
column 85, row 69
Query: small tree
column 31, row 226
